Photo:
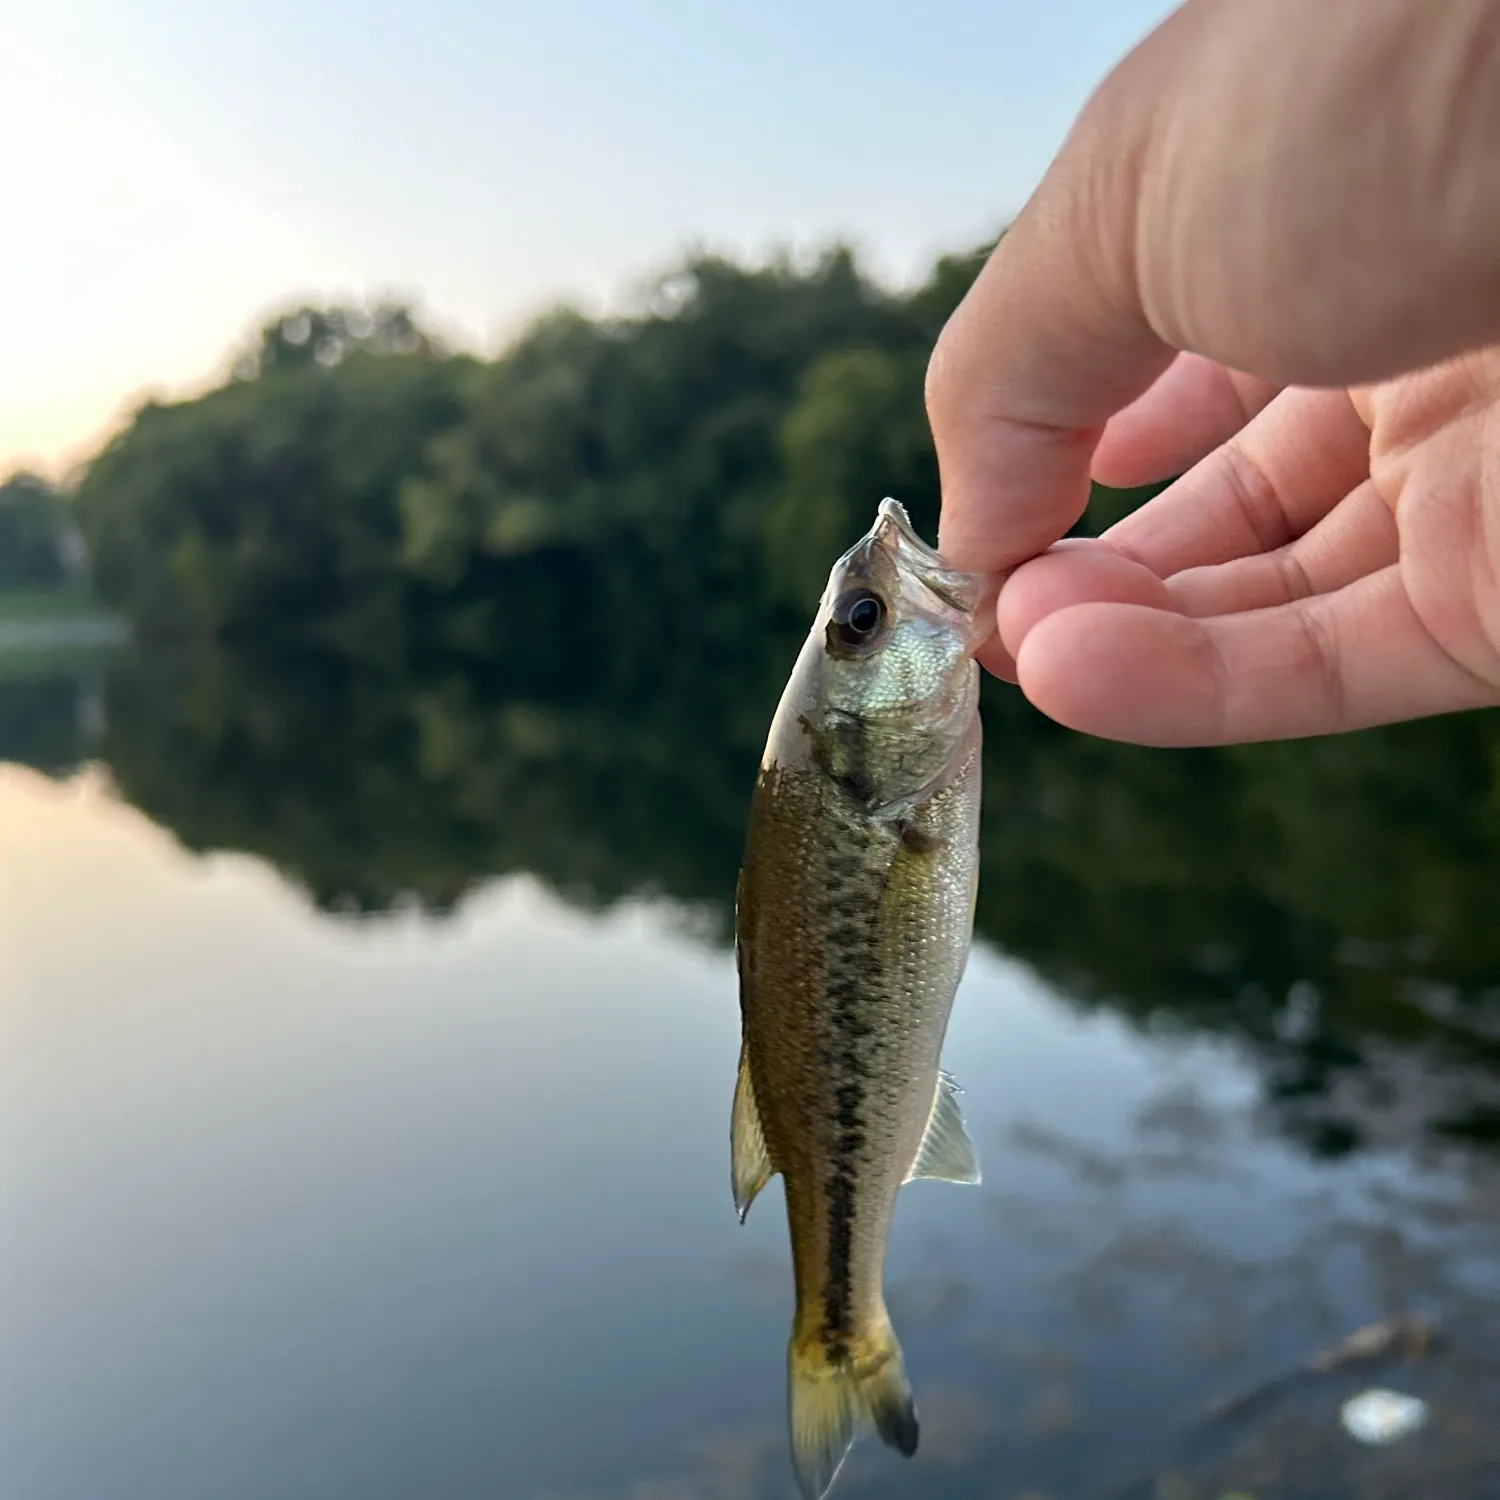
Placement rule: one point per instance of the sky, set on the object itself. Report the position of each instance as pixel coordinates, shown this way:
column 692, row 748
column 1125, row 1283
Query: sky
column 171, row 174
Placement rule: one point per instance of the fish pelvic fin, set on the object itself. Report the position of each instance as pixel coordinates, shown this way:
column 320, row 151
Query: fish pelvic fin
column 946, row 1153
column 831, row 1402
column 750, row 1166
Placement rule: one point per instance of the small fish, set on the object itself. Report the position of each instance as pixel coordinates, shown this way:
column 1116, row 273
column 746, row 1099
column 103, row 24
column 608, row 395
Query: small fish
column 854, row 915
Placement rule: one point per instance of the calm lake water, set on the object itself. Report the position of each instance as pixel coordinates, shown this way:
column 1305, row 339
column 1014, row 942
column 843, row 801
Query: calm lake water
column 297, row 1208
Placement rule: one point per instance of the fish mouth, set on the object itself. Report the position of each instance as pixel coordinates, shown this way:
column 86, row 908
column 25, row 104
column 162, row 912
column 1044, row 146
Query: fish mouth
column 894, row 534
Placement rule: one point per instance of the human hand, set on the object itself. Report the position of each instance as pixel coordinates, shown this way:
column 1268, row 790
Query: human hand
column 1331, row 565
column 1303, row 191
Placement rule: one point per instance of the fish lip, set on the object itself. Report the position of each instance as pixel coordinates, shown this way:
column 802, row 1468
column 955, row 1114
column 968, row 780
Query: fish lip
column 893, row 528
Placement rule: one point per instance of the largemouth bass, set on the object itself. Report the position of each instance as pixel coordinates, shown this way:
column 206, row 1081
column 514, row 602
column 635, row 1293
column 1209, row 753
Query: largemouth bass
column 854, row 915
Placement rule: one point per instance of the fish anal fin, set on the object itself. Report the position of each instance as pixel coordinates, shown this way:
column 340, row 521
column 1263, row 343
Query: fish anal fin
column 750, row 1162
column 946, row 1153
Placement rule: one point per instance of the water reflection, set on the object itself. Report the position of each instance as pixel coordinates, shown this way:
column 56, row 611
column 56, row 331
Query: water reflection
column 1326, row 903
column 302, row 1208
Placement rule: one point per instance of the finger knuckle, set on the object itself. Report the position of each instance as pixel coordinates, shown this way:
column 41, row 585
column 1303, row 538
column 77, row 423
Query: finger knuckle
column 1317, row 656
column 1255, row 496
column 1292, row 574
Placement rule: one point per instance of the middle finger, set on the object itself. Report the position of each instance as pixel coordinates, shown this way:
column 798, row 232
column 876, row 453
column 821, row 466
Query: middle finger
column 1276, row 478
column 1358, row 536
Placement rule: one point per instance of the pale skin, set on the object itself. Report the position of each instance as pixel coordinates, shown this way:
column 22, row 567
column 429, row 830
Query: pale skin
column 1267, row 258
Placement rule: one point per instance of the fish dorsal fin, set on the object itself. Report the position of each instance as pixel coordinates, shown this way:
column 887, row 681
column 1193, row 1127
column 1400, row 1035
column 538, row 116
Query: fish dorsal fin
column 946, row 1153
column 750, row 1162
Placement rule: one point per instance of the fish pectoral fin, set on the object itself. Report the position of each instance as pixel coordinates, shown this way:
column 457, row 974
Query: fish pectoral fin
column 946, row 1153
column 750, row 1163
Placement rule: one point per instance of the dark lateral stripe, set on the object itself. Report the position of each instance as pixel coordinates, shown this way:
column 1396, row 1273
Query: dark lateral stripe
column 849, row 1141
column 850, row 909
column 838, row 1285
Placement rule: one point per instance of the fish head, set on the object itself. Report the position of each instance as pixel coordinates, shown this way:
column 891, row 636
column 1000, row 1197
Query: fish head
column 898, row 625
column 896, row 634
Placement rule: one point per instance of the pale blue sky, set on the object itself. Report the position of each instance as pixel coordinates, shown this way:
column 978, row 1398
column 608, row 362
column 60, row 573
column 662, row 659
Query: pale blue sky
column 169, row 171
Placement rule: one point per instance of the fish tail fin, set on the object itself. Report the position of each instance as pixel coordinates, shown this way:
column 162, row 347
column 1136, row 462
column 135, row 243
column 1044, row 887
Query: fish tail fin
column 830, row 1402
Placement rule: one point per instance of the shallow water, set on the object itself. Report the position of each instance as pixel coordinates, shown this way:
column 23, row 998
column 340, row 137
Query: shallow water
column 302, row 1208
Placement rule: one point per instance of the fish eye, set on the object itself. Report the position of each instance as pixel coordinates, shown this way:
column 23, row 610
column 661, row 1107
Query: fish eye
column 858, row 616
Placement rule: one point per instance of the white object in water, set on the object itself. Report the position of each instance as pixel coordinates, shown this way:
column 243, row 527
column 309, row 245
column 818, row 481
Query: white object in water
column 1381, row 1416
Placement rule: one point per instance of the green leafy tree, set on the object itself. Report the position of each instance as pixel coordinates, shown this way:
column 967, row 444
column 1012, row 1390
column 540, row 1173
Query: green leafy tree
column 270, row 508
column 309, row 337
column 35, row 533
